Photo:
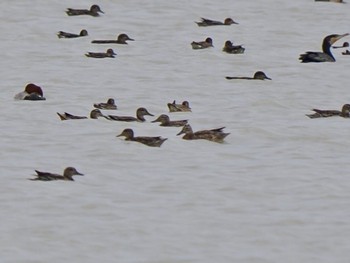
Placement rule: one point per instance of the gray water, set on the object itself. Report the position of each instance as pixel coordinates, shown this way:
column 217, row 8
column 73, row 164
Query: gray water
column 275, row 191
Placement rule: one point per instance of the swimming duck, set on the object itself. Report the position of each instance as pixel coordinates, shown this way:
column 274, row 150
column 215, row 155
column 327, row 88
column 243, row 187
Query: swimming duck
column 166, row 122
column 208, row 22
column 173, row 107
column 215, row 135
column 110, row 105
column 149, row 141
column 109, row 54
column 67, row 175
column 140, row 113
column 345, row 112
column 94, row 11
column 94, row 114
column 62, row 34
column 257, row 75
column 202, row 44
column 345, row 44
column 231, row 49
column 121, row 39
column 334, row 1
column 347, row 52
column 326, row 55
column 31, row 92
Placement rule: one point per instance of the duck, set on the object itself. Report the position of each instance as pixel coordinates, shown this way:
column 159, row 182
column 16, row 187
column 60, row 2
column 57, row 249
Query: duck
column 149, row 141
column 260, row 75
column 140, row 113
column 347, row 52
column 94, row 11
column 214, row 135
column 67, row 175
column 94, row 114
column 109, row 54
column 208, row 22
column 166, row 122
column 334, row 1
column 183, row 107
column 31, row 92
column 62, row 34
column 202, row 44
column 345, row 113
column 345, row 44
column 231, row 49
column 326, row 54
column 109, row 105
column 121, row 39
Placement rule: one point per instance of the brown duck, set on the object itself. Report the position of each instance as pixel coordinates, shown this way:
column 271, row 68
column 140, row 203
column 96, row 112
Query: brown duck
column 166, row 122
column 149, row 141
column 214, row 135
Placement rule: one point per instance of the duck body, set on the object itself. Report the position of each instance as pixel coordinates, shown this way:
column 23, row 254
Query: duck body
column 156, row 141
column 121, row 39
column 345, row 113
column 140, row 113
column 62, row 34
column 183, row 107
column 232, row 49
column 208, row 22
column 108, row 54
column 259, row 75
column 68, row 174
column 326, row 55
column 109, row 105
column 215, row 135
column 202, row 44
column 93, row 11
column 166, row 122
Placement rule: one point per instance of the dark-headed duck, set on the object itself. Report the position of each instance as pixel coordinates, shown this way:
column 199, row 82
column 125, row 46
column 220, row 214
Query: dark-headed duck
column 31, row 92
column 94, row 11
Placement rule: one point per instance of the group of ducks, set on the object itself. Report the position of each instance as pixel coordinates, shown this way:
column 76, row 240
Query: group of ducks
column 215, row 135
column 34, row 92
column 208, row 42
column 94, row 11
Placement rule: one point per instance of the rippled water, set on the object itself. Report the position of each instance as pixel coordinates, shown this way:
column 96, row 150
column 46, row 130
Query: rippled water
column 276, row 190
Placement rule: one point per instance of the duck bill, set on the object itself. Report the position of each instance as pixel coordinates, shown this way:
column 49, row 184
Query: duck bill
column 79, row 173
column 268, row 78
column 181, row 132
column 131, row 39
